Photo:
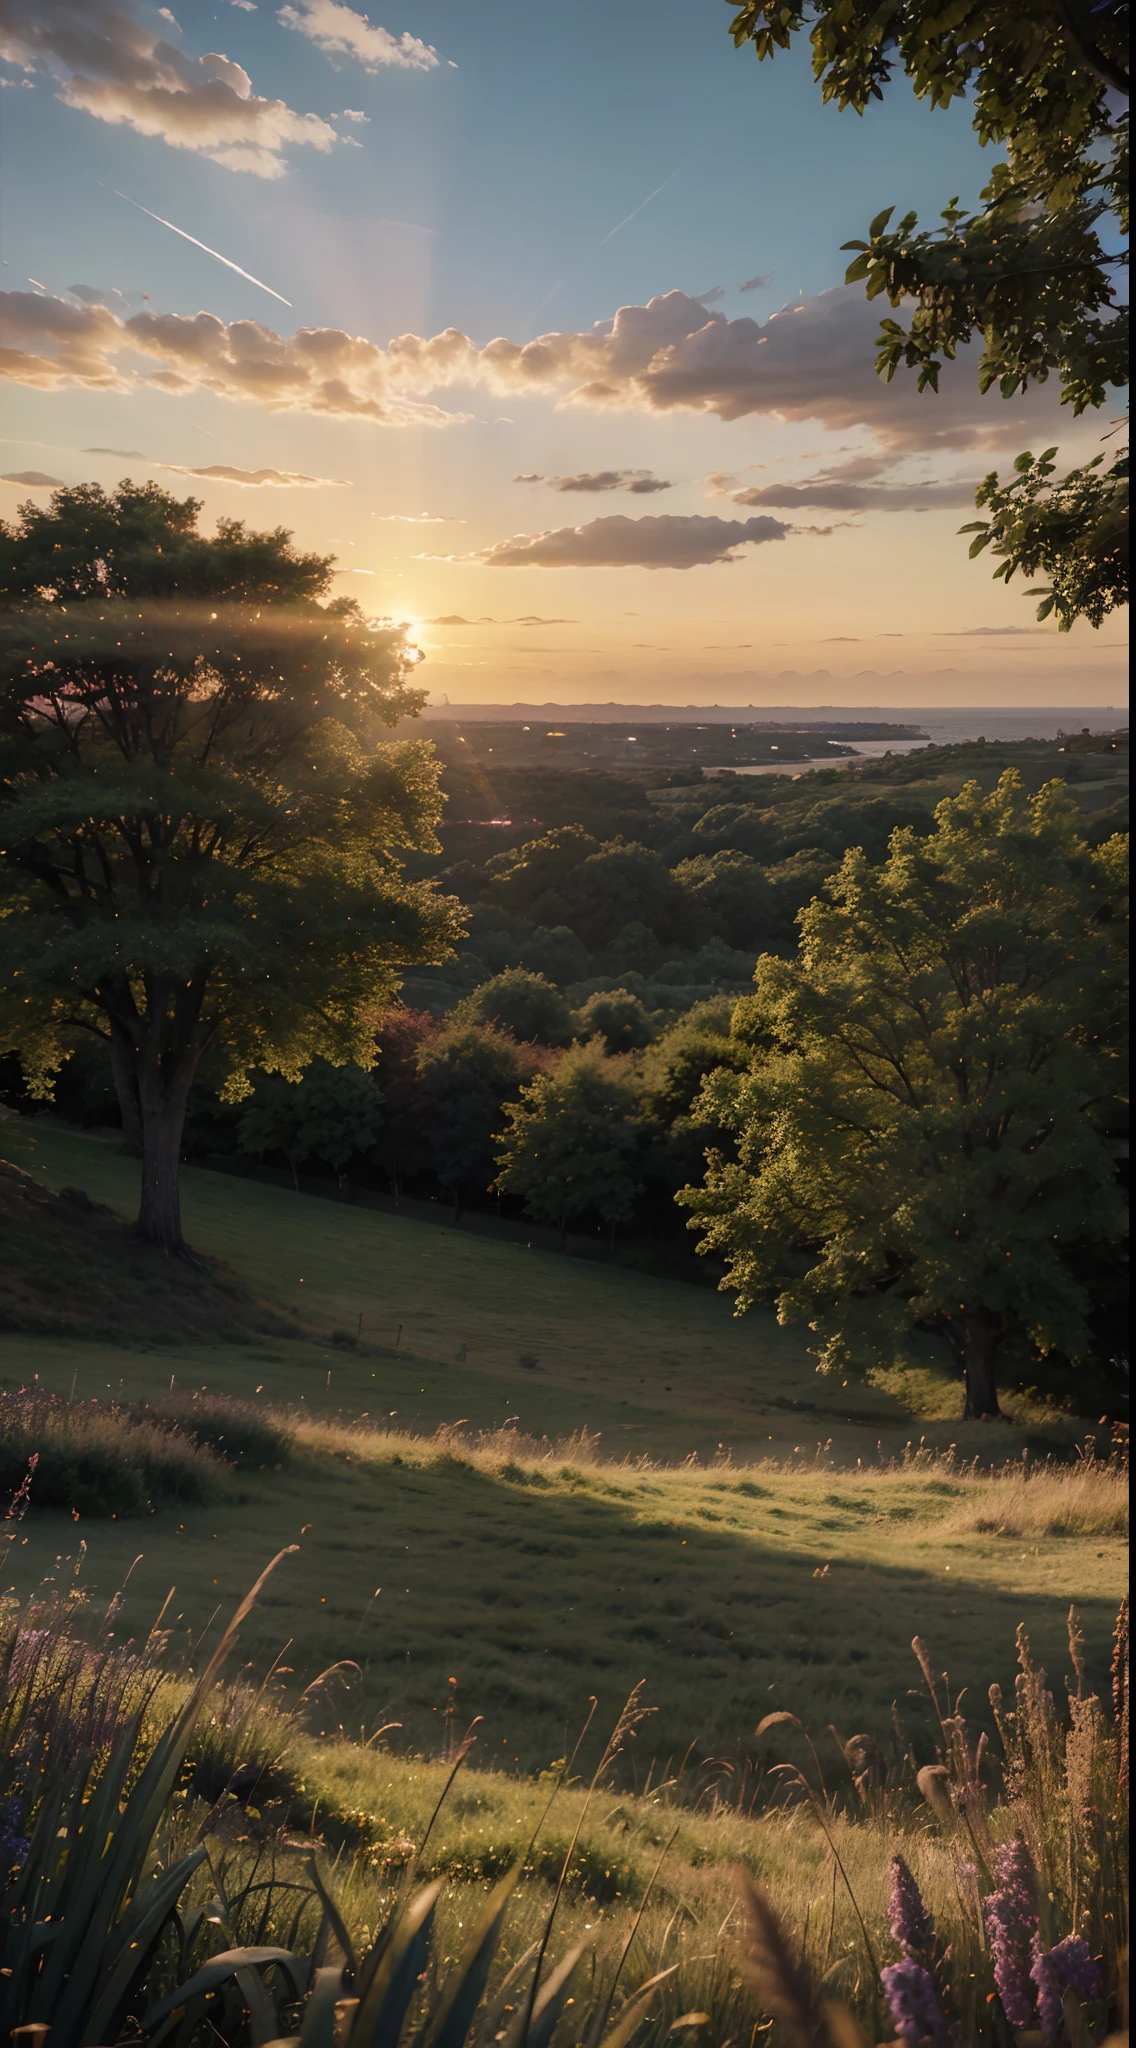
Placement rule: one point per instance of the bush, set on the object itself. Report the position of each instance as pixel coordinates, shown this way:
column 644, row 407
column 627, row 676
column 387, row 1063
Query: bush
column 101, row 1461
column 246, row 1437
column 525, row 1004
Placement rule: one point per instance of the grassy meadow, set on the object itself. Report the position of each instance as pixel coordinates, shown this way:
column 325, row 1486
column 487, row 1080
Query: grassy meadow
column 715, row 1531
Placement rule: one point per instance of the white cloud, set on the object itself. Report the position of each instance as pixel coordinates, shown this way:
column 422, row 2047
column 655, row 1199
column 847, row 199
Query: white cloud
column 862, row 485
column 253, row 479
column 641, row 483
column 813, row 361
column 339, row 32
column 47, row 343
column 668, row 541
column 353, row 114
column 110, row 65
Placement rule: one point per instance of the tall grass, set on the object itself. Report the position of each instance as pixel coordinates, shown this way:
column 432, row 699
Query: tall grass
column 97, row 1460
column 263, row 1872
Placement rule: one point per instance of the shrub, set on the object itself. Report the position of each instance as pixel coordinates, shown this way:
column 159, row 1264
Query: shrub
column 246, row 1437
column 99, row 1460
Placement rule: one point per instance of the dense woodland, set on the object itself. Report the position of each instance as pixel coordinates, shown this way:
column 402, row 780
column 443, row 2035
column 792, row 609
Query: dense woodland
column 557, row 1068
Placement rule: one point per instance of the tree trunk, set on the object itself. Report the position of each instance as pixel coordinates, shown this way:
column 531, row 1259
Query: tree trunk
column 563, row 1229
column 457, row 1195
column 977, row 1340
column 162, row 1099
column 611, row 1241
column 124, row 1073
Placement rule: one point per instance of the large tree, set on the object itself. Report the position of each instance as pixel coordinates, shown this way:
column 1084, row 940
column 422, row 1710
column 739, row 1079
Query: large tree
column 332, row 1114
column 1034, row 272
column 575, row 1141
column 926, row 1132
column 198, row 811
column 466, row 1073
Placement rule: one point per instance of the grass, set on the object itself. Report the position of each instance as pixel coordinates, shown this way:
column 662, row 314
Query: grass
column 92, row 1460
column 514, row 1583
column 782, row 1568
column 446, row 1317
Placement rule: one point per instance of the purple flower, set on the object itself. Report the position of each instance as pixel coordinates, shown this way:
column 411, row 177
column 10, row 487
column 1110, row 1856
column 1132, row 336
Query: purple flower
column 1011, row 1923
column 912, row 1926
column 13, row 1845
column 1068, row 1966
column 915, row 2010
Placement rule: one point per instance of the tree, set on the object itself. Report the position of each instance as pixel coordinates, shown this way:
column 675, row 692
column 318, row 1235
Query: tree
column 331, row 1113
column 402, row 1146
column 619, row 1018
column 198, row 814
column 522, row 1003
column 924, row 1133
column 272, row 1121
column 341, row 1113
column 467, row 1072
column 574, row 1142
column 730, row 894
column 1034, row 270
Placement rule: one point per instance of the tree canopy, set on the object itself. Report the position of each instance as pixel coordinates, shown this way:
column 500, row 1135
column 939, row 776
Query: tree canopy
column 467, row 1073
column 523, row 1003
column 926, row 1130
column 332, row 1113
column 1034, row 270
column 199, row 814
column 573, row 1141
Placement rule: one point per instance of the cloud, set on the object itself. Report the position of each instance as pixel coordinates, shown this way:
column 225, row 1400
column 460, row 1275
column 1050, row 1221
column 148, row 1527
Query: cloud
column 110, row 65
column 757, row 284
column 640, row 482
column 716, row 291
column 353, row 114
column 127, row 454
column 106, row 295
column 47, row 343
column 417, row 519
column 36, row 479
column 529, row 619
column 669, row 541
column 814, row 360
column 992, row 632
column 851, row 487
column 252, row 479
column 811, row 361
column 339, row 32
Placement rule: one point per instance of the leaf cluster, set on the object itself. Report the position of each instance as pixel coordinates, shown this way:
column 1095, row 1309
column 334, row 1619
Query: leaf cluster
column 926, row 1129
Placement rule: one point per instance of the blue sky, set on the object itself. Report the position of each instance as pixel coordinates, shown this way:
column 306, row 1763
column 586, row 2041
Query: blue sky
column 496, row 186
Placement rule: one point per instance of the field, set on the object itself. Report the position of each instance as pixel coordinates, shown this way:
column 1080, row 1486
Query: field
column 717, row 1531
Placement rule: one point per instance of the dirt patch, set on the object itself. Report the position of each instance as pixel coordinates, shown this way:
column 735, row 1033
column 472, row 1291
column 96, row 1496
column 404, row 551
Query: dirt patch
column 70, row 1267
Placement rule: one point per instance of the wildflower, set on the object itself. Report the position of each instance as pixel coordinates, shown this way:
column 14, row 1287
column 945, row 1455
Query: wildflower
column 13, row 1845
column 1068, row 1966
column 912, row 1926
column 916, row 2013
column 1011, row 1923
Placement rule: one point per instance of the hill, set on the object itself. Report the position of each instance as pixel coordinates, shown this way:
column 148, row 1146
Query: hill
column 69, row 1267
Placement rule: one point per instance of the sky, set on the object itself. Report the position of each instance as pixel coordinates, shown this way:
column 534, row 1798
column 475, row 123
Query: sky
column 532, row 317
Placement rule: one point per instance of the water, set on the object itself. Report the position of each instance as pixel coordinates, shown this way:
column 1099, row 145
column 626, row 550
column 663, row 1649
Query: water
column 939, row 728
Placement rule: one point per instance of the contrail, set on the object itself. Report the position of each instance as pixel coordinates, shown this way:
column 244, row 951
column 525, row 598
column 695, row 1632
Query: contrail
column 637, row 210
column 215, row 253
column 574, row 274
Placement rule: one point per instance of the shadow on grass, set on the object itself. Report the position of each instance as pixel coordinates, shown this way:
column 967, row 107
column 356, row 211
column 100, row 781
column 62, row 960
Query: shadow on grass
column 516, row 1596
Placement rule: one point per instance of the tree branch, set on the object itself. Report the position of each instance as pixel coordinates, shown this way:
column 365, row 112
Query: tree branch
column 1090, row 56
